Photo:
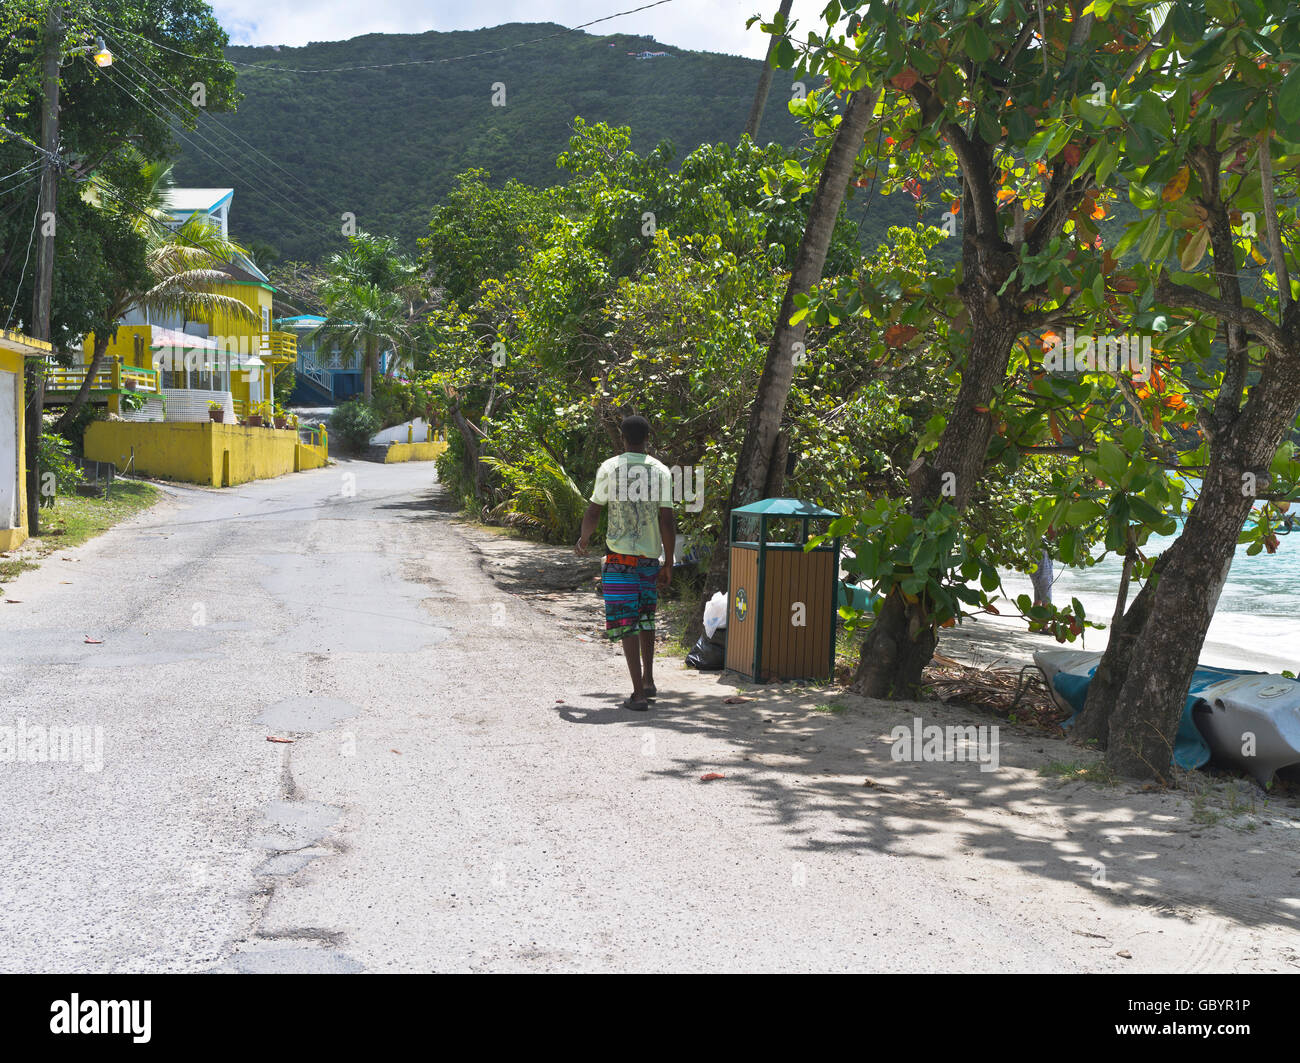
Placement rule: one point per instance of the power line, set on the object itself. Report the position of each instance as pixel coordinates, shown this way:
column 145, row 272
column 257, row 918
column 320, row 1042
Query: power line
column 259, row 185
column 164, row 86
column 163, row 113
column 36, row 214
column 272, row 67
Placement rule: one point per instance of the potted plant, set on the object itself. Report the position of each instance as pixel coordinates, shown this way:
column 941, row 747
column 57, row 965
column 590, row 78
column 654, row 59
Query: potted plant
column 255, row 414
column 281, row 420
column 217, row 412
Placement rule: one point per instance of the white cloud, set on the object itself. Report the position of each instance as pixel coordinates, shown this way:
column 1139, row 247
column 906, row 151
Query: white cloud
column 700, row 25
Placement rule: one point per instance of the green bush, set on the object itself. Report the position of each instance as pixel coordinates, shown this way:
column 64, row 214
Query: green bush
column 75, row 433
column 452, row 475
column 395, row 401
column 543, row 497
column 352, row 424
column 55, row 457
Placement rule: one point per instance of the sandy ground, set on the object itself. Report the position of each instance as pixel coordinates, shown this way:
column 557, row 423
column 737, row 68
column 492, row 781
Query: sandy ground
column 455, row 786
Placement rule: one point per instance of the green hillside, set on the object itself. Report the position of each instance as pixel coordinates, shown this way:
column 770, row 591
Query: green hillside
column 385, row 143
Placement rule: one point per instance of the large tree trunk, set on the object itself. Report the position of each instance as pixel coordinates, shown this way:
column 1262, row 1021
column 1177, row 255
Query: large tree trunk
column 1147, row 711
column 83, row 393
column 765, row 415
column 901, row 640
column 1093, row 722
column 765, row 78
column 1150, row 703
column 1148, row 667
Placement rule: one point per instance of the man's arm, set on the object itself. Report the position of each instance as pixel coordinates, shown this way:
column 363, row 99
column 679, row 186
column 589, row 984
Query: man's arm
column 590, row 521
column 668, row 533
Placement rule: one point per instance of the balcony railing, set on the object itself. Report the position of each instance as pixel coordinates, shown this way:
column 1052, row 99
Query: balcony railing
column 279, row 346
column 110, row 378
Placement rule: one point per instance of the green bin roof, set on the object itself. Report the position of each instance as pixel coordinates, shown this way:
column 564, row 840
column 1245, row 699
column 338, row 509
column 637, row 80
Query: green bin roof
column 785, row 507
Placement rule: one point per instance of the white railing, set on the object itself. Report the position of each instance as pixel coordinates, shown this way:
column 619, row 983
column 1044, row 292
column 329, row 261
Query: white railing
column 322, row 377
column 192, row 404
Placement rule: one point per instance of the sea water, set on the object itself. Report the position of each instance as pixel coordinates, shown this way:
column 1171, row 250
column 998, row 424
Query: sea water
column 1256, row 624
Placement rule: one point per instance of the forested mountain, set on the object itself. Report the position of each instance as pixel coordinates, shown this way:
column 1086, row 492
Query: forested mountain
column 385, row 142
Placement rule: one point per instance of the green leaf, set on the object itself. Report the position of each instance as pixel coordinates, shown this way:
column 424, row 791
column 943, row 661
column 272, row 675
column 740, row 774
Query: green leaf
column 1288, row 97
column 977, row 43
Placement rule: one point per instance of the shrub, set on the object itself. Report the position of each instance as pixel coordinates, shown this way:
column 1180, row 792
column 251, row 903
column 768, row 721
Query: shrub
column 56, row 457
column 542, row 497
column 352, row 424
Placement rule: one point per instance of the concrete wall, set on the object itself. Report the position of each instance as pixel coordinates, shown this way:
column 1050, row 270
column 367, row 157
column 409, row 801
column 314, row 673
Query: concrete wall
column 414, row 452
column 219, row 455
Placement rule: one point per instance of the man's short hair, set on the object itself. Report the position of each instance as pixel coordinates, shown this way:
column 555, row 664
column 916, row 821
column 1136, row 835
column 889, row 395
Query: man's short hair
column 635, row 429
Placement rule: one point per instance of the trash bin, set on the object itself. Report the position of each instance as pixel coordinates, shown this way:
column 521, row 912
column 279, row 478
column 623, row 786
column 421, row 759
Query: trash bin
column 782, row 598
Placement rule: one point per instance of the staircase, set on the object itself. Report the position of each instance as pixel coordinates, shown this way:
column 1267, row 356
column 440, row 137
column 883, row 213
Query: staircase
column 317, row 384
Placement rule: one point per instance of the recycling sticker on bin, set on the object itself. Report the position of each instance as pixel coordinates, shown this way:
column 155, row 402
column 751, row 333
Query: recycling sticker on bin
column 742, row 605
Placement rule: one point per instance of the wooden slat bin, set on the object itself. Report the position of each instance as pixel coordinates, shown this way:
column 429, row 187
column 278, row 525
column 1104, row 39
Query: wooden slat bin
column 782, row 600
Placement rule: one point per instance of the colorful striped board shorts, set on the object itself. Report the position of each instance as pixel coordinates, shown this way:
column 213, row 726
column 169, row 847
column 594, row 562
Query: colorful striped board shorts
column 628, row 584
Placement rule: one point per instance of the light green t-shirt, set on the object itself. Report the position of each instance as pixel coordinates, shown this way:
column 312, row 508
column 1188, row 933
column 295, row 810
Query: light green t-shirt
column 634, row 487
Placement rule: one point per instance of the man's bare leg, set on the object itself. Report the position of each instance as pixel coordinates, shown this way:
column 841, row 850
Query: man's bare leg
column 648, row 659
column 631, row 651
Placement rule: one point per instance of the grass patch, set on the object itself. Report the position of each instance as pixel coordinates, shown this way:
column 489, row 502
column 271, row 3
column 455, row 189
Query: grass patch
column 73, row 520
column 1080, row 771
column 835, row 707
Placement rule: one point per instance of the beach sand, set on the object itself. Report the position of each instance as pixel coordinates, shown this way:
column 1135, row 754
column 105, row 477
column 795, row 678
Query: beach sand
column 1090, row 875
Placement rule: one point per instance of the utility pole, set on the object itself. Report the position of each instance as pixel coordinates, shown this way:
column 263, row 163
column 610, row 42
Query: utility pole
column 46, row 212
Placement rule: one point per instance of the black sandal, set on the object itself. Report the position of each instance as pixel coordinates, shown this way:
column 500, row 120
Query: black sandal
column 636, row 706
column 651, row 692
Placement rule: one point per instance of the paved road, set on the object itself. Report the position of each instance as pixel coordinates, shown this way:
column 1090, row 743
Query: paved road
column 461, row 791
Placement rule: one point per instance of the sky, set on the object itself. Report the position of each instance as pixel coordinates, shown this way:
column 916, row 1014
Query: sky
column 701, row 25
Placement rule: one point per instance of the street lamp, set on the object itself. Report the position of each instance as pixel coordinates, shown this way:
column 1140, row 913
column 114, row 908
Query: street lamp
column 101, row 55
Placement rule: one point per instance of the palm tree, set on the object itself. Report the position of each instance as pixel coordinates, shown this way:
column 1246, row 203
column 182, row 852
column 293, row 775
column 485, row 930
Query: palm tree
column 184, row 264
column 375, row 298
column 363, row 320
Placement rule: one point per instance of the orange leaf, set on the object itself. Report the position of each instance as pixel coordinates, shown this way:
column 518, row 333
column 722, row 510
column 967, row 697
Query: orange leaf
column 709, row 776
column 1072, row 154
column 905, row 79
column 897, row 335
column 1005, row 195
column 1098, row 212
column 1177, row 185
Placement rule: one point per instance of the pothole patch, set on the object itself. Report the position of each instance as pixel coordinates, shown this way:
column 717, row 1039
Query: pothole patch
column 306, row 714
column 289, row 826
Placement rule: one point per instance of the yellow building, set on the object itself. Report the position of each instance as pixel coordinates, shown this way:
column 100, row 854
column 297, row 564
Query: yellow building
column 168, row 368
column 14, row 347
column 174, row 370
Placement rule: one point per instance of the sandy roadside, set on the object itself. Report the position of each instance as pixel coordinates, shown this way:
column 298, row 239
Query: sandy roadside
column 1205, row 878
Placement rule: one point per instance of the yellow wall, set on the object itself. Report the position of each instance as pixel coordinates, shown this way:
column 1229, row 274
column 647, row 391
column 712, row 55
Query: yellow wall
column 12, row 362
column 219, row 455
column 414, row 452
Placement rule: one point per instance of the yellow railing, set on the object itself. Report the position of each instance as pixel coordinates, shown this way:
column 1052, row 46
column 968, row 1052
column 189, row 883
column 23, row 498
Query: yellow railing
column 280, row 346
column 112, row 377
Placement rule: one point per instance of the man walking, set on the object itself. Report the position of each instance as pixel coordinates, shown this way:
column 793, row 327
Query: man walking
column 639, row 492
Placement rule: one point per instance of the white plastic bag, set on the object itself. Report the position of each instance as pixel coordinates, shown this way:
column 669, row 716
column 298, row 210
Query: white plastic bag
column 715, row 613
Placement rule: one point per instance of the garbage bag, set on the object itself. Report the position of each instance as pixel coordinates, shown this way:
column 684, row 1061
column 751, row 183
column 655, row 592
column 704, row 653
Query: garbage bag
column 715, row 613
column 709, row 655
